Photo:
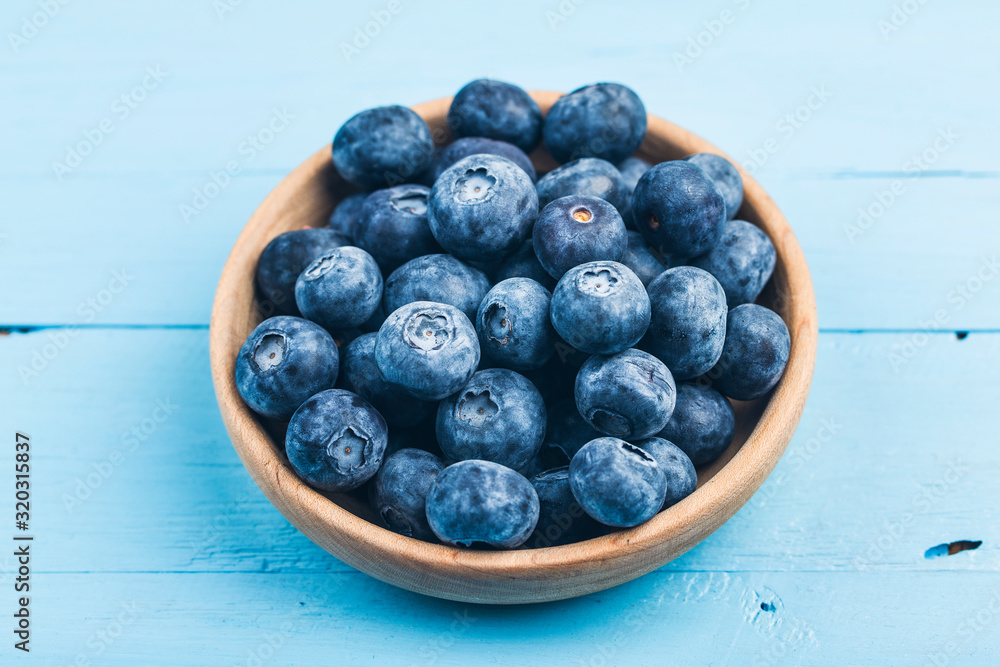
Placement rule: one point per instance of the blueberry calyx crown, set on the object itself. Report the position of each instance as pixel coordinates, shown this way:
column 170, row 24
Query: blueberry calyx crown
column 474, row 186
column 349, row 448
column 270, row 351
column 429, row 330
column 497, row 323
column 414, row 203
column 320, row 266
column 599, row 281
column 477, row 408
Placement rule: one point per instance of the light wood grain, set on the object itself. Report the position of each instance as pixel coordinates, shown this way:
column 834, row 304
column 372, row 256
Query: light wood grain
column 306, row 197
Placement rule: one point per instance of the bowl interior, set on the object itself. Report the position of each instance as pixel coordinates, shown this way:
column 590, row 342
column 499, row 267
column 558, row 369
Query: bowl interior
column 344, row 524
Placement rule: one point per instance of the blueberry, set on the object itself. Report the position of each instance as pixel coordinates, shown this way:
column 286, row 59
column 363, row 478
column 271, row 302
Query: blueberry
column 561, row 520
column 498, row 110
column 586, row 176
column 497, row 416
column 605, row 120
column 466, row 146
column 284, row 258
column 628, row 395
column 373, row 323
column 346, row 215
column 632, row 169
column 360, row 374
column 555, row 379
column 577, row 229
column 336, row 440
column 742, row 262
column 725, row 176
column 682, row 479
column 688, row 324
column 513, row 324
column 565, row 433
column 399, row 492
column 617, row 483
column 523, row 263
column 679, row 209
column 429, row 350
column 283, row 362
column 533, row 467
column 641, row 259
column 344, row 337
column 437, row 278
column 482, row 207
column 393, row 226
column 755, row 354
column 600, row 308
column 420, row 436
column 382, row 147
column 341, row 289
column 703, row 423
column 482, row 502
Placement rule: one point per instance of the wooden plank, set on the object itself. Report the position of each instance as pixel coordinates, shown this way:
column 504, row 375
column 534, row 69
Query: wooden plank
column 757, row 619
column 130, row 450
column 890, row 93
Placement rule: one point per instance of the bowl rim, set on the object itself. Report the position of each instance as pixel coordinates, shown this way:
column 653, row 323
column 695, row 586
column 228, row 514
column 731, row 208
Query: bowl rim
column 526, row 575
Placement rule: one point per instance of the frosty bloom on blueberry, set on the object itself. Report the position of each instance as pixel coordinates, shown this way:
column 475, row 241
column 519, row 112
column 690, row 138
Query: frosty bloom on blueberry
column 641, row 259
column 497, row 416
column 428, row 350
column 287, row 256
column 399, row 491
column 463, row 148
column 336, row 440
column 600, row 308
column 496, row 110
column 482, row 207
column 485, row 352
column 725, row 176
column 577, row 229
column 687, row 326
column 359, row 372
column 381, row 147
column 392, row 226
column 617, row 483
column 703, row 422
column 479, row 501
column 754, row 355
column 283, row 362
column 628, row 395
column 436, row 278
column 513, row 324
column 677, row 468
column 587, row 176
column 742, row 262
column 340, row 289
column 679, row 209
column 603, row 120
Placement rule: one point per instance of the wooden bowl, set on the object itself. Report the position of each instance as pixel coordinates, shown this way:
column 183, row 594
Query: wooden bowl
column 340, row 523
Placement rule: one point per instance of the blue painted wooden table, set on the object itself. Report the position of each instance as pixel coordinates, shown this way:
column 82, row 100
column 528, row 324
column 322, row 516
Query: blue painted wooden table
column 872, row 124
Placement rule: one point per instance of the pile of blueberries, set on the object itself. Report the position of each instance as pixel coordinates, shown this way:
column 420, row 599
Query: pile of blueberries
column 523, row 360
